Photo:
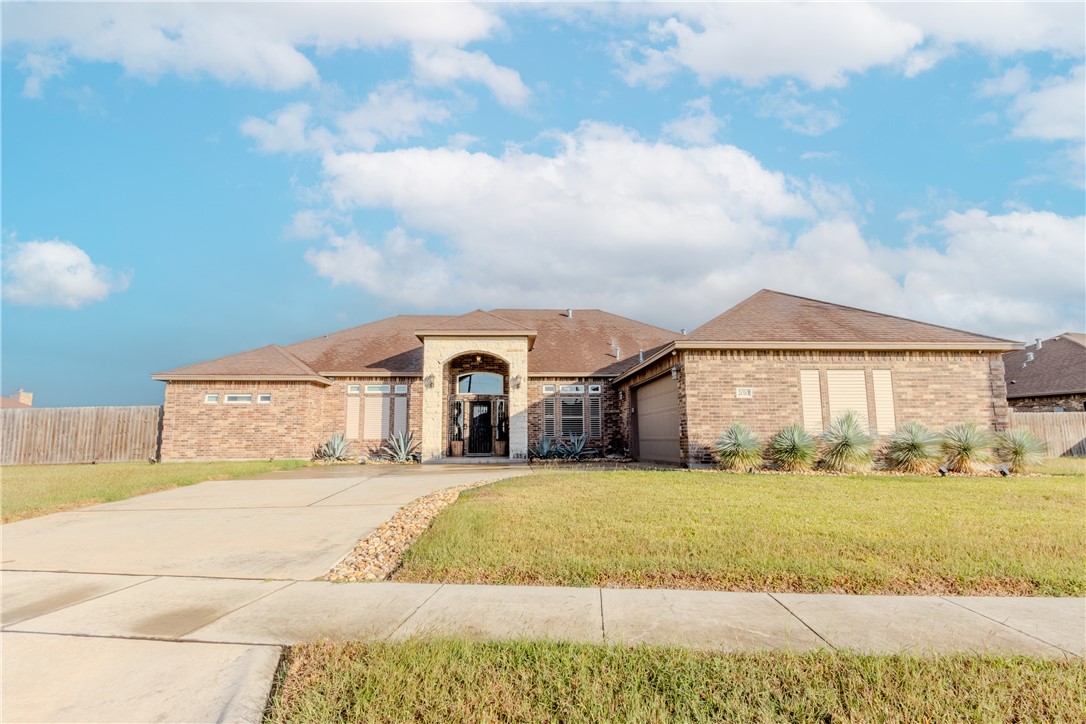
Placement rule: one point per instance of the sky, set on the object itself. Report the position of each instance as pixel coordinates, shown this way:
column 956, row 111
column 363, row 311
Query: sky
column 186, row 181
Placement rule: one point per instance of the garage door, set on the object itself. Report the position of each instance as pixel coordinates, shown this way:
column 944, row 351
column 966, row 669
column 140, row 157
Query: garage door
column 658, row 421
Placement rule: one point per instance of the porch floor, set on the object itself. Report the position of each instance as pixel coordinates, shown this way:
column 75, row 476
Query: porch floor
column 479, row 460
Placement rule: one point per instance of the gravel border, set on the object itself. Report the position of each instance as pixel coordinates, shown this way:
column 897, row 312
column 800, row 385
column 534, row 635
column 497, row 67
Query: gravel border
column 379, row 555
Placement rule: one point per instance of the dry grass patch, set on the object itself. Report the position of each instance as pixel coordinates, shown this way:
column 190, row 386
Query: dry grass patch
column 33, row 490
column 796, row 533
column 454, row 680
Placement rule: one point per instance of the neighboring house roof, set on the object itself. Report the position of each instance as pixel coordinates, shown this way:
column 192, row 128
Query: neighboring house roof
column 1057, row 368
column 579, row 345
column 774, row 320
column 6, row 403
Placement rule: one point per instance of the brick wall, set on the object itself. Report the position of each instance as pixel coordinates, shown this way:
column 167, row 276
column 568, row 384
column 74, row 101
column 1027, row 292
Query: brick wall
column 334, row 410
column 290, row 426
column 935, row 388
column 1069, row 403
column 612, row 432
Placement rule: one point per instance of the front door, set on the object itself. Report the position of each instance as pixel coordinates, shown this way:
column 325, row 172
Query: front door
column 480, row 432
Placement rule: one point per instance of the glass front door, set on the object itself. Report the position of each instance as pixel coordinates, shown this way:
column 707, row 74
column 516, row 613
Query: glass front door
column 481, row 430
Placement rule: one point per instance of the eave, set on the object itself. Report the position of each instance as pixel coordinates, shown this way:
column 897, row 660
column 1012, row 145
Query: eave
column 167, row 377
column 528, row 335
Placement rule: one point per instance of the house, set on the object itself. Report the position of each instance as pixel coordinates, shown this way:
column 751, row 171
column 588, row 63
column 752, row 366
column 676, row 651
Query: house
column 493, row 382
column 18, row 400
column 1048, row 376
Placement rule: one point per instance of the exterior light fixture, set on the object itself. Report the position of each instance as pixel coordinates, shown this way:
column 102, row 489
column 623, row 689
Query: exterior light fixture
column 514, row 383
column 675, row 372
column 429, row 381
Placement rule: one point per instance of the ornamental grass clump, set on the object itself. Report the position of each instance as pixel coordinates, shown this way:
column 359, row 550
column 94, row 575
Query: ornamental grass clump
column 965, row 446
column 793, row 448
column 738, row 448
column 913, row 448
column 846, row 445
column 1020, row 449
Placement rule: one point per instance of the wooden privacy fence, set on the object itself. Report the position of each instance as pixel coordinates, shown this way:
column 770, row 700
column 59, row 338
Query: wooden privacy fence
column 1063, row 432
column 79, row 435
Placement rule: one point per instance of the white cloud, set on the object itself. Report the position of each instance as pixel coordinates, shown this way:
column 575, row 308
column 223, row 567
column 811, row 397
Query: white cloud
column 697, row 125
column 822, row 44
column 794, row 115
column 1056, row 111
column 56, row 274
column 287, row 131
column 256, row 44
column 446, row 65
column 39, row 68
column 818, row 156
column 1012, row 82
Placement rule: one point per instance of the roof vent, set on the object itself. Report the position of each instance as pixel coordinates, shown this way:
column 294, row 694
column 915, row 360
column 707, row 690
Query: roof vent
column 618, row 353
column 1029, row 357
column 640, row 355
column 1038, row 342
column 569, row 313
column 684, row 331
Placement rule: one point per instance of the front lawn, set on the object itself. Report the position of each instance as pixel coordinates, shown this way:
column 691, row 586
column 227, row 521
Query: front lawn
column 764, row 532
column 33, row 490
column 536, row 681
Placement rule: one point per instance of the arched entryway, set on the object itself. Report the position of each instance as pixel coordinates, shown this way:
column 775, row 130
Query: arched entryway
column 477, row 406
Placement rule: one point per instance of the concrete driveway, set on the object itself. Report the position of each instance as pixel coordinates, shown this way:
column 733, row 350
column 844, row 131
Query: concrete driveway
column 152, row 568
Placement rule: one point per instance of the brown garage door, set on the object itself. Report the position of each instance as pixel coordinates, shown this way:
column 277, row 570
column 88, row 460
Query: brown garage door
column 658, row 421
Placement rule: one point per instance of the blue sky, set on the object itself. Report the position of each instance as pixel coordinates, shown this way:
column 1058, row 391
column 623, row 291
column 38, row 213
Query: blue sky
column 182, row 182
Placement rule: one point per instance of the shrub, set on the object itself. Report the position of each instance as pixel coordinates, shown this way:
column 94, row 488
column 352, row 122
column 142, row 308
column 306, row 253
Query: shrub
column 846, row 445
column 1020, row 449
column 793, row 448
column 738, row 447
column 333, row 450
column 965, row 446
column 543, row 449
column 399, row 447
column 575, row 449
column 913, row 448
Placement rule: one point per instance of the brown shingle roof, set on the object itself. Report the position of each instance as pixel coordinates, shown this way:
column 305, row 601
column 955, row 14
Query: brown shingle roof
column 1057, row 368
column 271, row 361
column 579, row 345
column 770, row 317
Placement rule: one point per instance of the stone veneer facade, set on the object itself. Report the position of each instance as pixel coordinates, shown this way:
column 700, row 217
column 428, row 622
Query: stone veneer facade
column 1071, row 402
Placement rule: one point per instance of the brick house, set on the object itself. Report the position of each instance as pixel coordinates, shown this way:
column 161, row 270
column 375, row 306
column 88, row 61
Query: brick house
column 1048, row 376
column 492, row 383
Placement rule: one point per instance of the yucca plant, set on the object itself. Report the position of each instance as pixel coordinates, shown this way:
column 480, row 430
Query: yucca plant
column 965, row 446
column 1019, row 449
column 543, row 449
column 333, row 450
column 913, row 448
column 793, row 448
column 399, row 447
column 846, row 445
column 738, row 448
column 574, row 449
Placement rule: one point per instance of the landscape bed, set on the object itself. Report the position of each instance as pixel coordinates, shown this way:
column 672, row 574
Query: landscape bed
column 874, row 534
column 33, row 490
column 454, row 680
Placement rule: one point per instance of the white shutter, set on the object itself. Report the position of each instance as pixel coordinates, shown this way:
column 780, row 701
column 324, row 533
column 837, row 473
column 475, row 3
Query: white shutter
column 883, row 385
column 376, row 419
column 847, row 391
column 810, row 391
column 354, row 415
column 548, row 417
column 399, row 415
column 594, row 422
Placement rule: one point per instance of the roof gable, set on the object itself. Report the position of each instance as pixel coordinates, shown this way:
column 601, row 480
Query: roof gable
column 269, row 361
column 479, row 321
column 770, row 317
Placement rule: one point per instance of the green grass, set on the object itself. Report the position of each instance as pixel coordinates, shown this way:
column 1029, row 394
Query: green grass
column 446, row 681
column 33, row 490
column 1063, row 466
column 800, row 533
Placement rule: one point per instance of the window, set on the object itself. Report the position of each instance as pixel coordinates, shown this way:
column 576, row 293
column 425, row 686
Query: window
column 375, row 415
column 548, row 389
column 595, row 423
column 264, row 399
column 571, row 389
column 399, row 415
column 810, row 390
column 239, row 399
column 548, row 417
column 377, row 389
column 401, row 389
column 572, row 416
column 595, row 389
column 480, row 383
column 354, row 389
column 211, row 398
column 883, row 386
column 354, row 417
column 847, row 390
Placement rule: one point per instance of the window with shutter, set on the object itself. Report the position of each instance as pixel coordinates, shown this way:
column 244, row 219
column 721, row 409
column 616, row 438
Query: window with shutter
column 883, row 386
column 548, row 417
column 595, row 423
column 399, row 415
column 375, row 422
column 354, row 416
column 847, row 390
column 811, row 398
column 572, row 416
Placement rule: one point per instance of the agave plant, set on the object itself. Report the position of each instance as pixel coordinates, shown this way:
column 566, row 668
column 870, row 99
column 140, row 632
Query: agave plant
column 913, row 448
column 334, row 449
column 846, row 445
column 738, row 448
column 965, row 446
column 543, row 449
column 793, row 448
column 574, row 449
column 399, row 447
column 1019, row 449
